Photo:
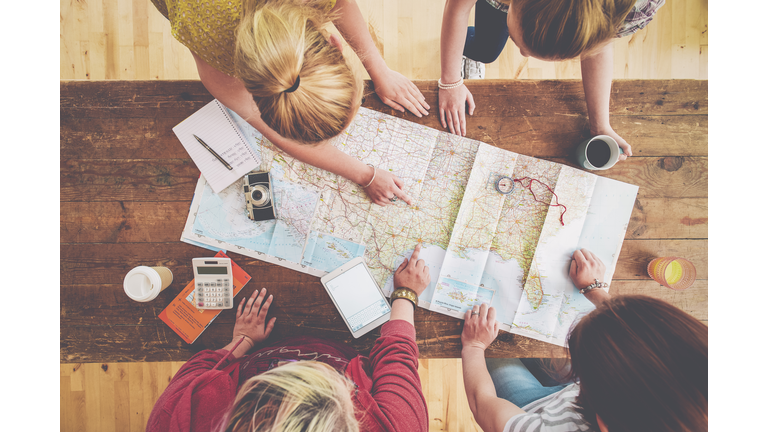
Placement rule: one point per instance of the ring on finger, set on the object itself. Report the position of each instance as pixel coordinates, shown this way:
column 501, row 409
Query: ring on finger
column 393, row 199
column 475, row 313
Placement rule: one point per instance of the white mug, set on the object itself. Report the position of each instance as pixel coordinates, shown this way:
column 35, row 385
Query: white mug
column 598, row 153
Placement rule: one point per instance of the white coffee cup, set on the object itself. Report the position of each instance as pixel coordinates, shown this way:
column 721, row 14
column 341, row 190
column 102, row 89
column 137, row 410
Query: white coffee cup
column 145, row 283
column 609, row 154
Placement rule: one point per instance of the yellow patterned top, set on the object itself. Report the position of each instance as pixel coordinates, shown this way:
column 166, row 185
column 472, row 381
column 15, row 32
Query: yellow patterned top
column 207, row 28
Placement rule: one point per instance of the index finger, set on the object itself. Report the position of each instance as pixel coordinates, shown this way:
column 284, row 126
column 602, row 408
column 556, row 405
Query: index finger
column 403, row 196
column 415, row 254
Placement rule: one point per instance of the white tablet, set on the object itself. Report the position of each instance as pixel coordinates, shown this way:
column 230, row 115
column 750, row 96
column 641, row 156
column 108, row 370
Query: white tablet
column 357, row 296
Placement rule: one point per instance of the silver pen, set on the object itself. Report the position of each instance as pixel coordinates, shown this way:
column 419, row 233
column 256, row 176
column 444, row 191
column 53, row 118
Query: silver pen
column 207, row 147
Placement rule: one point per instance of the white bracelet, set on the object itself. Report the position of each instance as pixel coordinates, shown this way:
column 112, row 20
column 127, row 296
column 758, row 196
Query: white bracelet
column 372, row 178
column 442, row 86
column 590, row 287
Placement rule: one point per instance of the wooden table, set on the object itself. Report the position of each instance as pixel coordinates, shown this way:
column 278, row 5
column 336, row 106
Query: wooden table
column 126, row 185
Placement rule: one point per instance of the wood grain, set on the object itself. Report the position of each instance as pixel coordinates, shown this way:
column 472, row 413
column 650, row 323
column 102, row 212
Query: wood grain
column 130, row 39
column 126, row 183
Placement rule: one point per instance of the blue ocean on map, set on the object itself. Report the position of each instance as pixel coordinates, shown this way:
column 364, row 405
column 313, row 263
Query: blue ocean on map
column 326, row 252
column 286, row 243
column 458, row 296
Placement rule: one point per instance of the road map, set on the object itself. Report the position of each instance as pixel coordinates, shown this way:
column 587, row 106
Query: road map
column 512, row 251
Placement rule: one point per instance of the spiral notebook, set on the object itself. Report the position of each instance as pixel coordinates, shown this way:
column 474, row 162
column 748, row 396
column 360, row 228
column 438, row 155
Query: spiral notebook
column 213, row 125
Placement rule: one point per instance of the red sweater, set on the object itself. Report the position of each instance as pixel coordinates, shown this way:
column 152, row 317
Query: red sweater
column 388, row 395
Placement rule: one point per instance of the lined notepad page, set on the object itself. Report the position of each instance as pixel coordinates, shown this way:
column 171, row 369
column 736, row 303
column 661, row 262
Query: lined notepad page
column 213, row 124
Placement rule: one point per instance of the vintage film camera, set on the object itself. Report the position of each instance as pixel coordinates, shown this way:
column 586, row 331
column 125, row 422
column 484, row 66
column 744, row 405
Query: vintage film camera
column 259, row 204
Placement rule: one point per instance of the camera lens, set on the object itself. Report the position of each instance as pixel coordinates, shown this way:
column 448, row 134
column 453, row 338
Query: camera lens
column 260, row 195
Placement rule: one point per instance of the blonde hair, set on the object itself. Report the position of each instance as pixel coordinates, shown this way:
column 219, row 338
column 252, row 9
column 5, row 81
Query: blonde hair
column 295, row 397
column 280, row 44
column 565, row 29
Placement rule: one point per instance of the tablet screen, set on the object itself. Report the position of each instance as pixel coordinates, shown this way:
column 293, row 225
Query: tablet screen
column 357, row 296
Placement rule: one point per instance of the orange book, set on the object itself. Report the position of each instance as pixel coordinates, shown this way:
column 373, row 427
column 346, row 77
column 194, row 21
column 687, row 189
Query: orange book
column 187, row 320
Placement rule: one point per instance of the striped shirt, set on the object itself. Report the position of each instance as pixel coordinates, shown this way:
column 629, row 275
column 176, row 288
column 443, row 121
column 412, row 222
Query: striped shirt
column 553, row 413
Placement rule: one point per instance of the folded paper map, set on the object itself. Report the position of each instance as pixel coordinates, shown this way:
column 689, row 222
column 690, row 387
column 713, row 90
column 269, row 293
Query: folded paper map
column 511, row 250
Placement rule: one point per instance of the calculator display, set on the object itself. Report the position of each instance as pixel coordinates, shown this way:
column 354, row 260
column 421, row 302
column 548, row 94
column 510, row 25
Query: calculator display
column 212, row 270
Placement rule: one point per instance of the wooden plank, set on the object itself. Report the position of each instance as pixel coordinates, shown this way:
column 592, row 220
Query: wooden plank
column 532, row 98
column 175, row 179
column 136, row 396
column 163, row 221
column 555, row 136
column 693, row 300
column 66, row 408
column 106, row 395
column 669, row 218
column 443, row 388
column 92, row 399
column 127, row 180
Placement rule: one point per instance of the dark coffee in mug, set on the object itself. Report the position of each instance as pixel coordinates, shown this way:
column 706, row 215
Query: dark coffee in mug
column 598, row 153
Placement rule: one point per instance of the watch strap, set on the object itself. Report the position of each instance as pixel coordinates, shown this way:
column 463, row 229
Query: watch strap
column 405, row 293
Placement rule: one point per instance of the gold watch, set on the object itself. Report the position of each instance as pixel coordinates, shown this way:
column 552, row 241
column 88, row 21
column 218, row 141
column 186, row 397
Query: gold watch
column 405, row 293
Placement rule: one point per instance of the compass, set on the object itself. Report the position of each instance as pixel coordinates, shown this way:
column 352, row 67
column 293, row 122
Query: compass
column 505, row 185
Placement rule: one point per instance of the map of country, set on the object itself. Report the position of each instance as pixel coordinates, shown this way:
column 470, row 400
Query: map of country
column 508, row 250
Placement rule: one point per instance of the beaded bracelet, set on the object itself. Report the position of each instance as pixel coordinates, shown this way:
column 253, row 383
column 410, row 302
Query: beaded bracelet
column 372, row 178
column 590, row 287
column 442, row 86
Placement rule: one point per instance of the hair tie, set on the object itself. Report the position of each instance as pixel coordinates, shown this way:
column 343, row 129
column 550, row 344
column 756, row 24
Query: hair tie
column 295, row 86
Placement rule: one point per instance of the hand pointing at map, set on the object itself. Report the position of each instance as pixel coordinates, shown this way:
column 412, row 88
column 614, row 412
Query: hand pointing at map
column 386, row 188
column 413, row 273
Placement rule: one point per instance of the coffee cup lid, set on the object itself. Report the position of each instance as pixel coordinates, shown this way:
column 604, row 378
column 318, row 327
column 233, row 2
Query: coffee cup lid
column 142, row 284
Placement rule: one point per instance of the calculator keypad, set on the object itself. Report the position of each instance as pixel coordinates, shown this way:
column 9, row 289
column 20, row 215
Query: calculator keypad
column 214, row 294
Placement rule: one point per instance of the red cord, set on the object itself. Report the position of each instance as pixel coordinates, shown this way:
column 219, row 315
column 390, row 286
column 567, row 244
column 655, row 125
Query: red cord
column 557, row 200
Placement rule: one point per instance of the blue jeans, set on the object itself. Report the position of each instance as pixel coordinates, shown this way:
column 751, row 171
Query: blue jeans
column 485, row 41
column 515, row 381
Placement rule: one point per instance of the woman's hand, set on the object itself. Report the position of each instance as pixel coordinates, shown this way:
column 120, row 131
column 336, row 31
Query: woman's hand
column 453, row 104
column 385, row 187
column 585, row 268
column 413, row 273
column 250, row 322
column 399, row 92
column 480, row 327
column 608, row 130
